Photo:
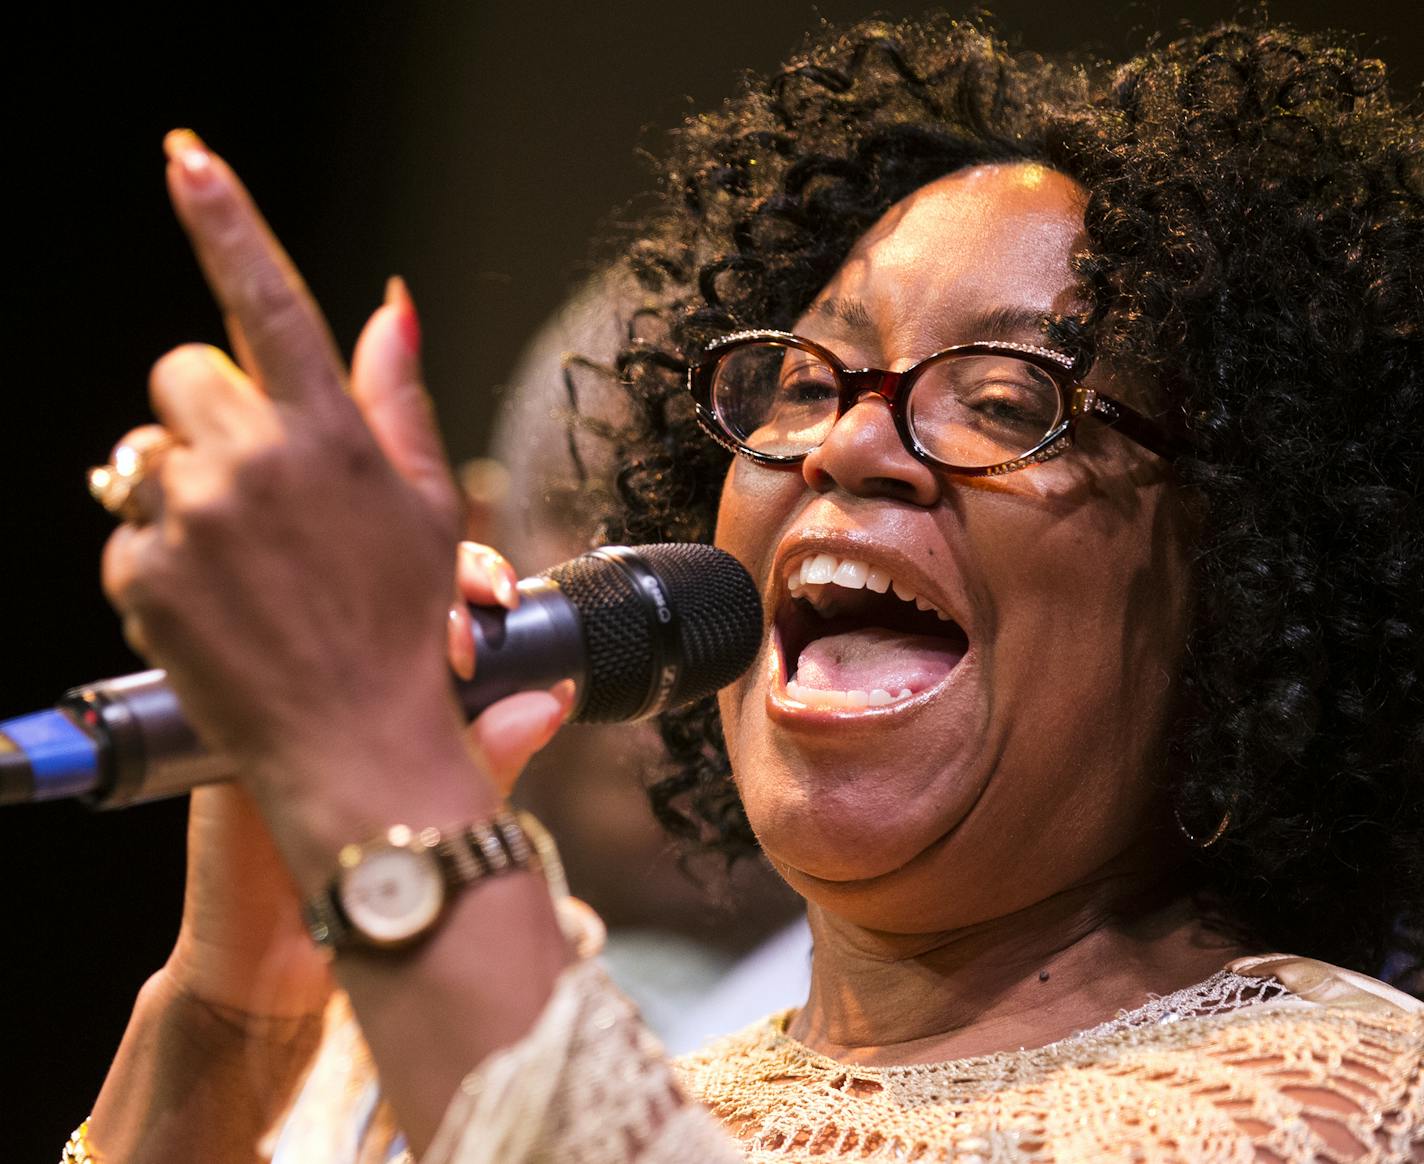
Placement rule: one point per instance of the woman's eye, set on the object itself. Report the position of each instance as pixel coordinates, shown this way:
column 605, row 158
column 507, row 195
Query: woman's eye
column 998, row 396
column 1007, row 393
column 807, row 384
column 1009, row 402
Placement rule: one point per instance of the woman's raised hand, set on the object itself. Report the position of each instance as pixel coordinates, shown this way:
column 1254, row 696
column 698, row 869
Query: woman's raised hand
column 291, row 569
column 288, row 560
column 301, row 533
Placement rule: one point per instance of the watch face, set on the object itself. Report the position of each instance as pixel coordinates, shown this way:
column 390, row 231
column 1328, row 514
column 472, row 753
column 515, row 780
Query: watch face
column 392, row 894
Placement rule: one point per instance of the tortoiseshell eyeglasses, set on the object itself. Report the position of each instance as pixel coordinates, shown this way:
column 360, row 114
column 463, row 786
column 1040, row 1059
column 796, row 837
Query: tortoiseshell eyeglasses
column 978, row 410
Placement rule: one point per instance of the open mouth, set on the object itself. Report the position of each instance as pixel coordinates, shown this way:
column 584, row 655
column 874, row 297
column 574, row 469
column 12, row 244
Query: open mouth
column 852, row 636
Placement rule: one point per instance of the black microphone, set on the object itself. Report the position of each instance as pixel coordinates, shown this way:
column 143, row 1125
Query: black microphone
column 638, row 630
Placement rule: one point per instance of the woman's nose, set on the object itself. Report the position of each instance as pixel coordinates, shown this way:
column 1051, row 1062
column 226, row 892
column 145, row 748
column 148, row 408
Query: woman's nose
column 864, row 455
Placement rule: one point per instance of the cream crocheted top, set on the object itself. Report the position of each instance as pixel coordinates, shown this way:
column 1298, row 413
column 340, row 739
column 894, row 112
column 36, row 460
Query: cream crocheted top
column 1274, row 1059
column 1237, row 1068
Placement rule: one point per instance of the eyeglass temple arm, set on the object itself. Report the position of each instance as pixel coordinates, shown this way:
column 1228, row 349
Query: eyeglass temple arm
column 1131, row 423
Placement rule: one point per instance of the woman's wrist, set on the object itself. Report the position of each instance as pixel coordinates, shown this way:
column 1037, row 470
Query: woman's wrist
column 320, row 795
column 197, row 1080
column 222, row 1024
column 288, row 986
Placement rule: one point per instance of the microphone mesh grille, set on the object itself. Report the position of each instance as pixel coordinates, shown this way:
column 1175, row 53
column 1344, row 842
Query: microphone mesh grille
column 719, row 624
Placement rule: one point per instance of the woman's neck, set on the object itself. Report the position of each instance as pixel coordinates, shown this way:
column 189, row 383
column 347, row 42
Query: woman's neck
column 1024, row 980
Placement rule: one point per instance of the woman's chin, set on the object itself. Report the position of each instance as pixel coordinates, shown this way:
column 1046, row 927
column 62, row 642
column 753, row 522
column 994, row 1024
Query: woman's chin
column 902, row 901
column 843, row 846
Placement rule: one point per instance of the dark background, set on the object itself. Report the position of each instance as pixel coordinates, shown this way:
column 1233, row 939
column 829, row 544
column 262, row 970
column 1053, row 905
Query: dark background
column 473, row 148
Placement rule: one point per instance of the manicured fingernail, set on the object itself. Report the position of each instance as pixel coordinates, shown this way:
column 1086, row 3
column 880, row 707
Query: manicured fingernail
column 564, row 691
column 187, row 149
column 504, row 586
column 474, row 558
column 398, row 296
column 462, row 644
column 502, row 581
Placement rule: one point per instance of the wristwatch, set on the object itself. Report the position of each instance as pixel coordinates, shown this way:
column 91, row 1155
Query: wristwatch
column 390, row 892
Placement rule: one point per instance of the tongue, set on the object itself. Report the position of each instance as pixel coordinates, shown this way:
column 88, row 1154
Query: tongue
column 862, row 660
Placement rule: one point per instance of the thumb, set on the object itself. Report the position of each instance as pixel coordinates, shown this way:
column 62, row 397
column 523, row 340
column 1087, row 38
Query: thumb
column 508, row 733
column 387, row 386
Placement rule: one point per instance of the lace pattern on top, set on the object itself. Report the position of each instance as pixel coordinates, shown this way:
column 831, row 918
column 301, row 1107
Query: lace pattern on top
column 589, row 1084
column 1224, row 992
column 1235, row 1069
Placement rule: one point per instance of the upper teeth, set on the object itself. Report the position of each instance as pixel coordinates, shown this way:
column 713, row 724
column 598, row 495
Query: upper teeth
column 852, row 574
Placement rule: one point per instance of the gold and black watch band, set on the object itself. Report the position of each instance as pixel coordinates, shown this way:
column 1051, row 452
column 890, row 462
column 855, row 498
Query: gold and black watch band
column 505, row 843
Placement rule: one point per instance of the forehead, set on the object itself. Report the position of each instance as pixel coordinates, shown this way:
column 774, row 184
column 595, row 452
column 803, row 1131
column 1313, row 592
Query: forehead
column 988, row 246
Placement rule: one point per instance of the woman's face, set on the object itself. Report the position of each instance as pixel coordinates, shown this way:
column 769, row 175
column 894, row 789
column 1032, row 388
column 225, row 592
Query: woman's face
column 1023, row 761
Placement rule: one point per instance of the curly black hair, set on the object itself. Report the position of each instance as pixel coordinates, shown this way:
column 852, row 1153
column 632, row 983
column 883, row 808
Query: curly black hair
column 1255, row 244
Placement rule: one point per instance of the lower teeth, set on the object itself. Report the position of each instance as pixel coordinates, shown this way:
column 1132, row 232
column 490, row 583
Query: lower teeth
column 815, row 697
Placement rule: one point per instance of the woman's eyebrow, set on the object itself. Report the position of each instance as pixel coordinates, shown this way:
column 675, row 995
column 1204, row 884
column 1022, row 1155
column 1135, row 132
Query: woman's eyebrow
column 1004, row 322
column 851, row 316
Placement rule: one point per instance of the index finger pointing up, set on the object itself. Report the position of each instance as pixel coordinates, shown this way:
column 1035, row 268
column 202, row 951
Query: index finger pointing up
column 274, row 323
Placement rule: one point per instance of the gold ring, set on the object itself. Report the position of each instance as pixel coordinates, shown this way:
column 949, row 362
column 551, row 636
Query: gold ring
column 113, row 485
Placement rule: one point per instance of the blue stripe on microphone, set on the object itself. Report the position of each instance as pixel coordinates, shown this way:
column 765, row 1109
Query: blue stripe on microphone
column 62, row 756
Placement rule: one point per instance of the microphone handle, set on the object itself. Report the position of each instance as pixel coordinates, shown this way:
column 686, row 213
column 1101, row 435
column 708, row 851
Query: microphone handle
column 125, row 741
column 529, row 648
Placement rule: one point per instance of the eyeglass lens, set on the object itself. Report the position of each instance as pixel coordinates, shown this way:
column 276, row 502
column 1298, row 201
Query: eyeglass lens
column 968, row 410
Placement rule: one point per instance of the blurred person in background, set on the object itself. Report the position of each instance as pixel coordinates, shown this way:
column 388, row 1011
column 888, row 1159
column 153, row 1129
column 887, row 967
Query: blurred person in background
column 702, row 948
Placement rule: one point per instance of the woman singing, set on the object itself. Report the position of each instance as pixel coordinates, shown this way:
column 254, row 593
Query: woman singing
column 1068, row 420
